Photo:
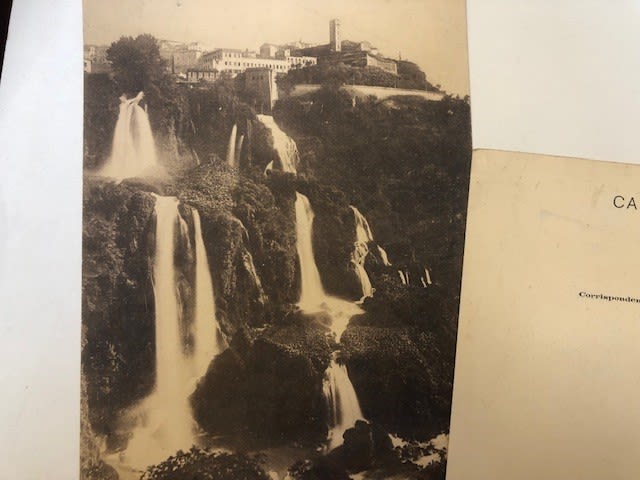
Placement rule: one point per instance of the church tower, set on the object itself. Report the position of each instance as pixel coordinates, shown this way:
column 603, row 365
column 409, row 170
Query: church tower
column 334, row 35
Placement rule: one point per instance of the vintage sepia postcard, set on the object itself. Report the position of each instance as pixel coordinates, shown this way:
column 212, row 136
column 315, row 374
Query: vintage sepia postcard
column 274, row 213
column 546, row 377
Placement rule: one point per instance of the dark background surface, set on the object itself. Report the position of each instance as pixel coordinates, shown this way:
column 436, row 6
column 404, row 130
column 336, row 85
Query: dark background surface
column 5, row 11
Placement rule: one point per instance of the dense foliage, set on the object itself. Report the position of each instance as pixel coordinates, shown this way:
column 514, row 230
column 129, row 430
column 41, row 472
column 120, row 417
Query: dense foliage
column 137, row 66
column 336, row 74
column 205, row 465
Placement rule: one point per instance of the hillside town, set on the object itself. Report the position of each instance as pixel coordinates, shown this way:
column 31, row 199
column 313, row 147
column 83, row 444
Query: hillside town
column 193, row 64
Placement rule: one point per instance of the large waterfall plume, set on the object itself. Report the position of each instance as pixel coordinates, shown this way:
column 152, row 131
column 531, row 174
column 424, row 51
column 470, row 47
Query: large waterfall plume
column 166, row 422
column 133, row 151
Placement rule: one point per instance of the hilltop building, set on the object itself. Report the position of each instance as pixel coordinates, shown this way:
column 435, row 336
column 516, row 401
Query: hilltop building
column 356, row 54
column 335, row 42
column 261, row 82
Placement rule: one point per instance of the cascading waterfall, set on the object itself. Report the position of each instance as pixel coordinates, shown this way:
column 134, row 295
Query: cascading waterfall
column 206, row 331
column 340, row 396
column 231, row 148
column 250, row 267
column 312, row 293
column 167, row 422
column 364, row 236
column 283, row 144
column 342, row 401
column 384, row 257
column 360, row 252
column 133, row 151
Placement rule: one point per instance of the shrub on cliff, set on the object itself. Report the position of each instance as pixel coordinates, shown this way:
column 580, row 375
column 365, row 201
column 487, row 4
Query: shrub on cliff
column 137, row 65
column 204, row 465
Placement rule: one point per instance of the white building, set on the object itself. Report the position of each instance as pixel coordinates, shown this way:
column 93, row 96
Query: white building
column 233, row 61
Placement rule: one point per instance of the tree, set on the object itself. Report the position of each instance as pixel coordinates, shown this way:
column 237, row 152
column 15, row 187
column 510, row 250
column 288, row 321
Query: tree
column 138, row 66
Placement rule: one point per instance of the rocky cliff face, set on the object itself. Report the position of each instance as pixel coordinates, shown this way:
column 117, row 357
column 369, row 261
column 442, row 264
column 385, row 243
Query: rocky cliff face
column 271, row 387
column 118, row 310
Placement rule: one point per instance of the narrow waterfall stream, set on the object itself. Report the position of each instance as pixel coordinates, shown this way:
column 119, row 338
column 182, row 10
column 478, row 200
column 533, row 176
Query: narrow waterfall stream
column 238, row 152
column 206, row 331
column 231, row 147
column 342, row 401
column 133, row 151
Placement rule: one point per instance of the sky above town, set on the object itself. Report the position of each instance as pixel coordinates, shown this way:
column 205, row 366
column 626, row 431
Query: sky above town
column 431, row 33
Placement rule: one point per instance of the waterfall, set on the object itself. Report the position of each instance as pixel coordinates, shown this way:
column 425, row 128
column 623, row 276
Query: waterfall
column 340, row 396
column 402, row 277
column 205, row 329
column 312, row 294
column 239, row 150
column 167, row 422
column 250, row 267
column 427, row 276
column 360, row 252
column 342, row 401
column 384, row 256
column 231, row 148
column 283, row 144
column 133, row 152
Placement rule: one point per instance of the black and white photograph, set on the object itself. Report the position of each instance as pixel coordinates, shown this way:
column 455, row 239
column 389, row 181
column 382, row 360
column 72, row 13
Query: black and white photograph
column 274, row 207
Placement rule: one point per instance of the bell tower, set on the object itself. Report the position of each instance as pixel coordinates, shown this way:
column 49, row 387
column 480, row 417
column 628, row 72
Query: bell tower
column 334, row 35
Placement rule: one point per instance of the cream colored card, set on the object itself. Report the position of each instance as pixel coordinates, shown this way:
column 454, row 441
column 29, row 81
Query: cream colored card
column 547, row 368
